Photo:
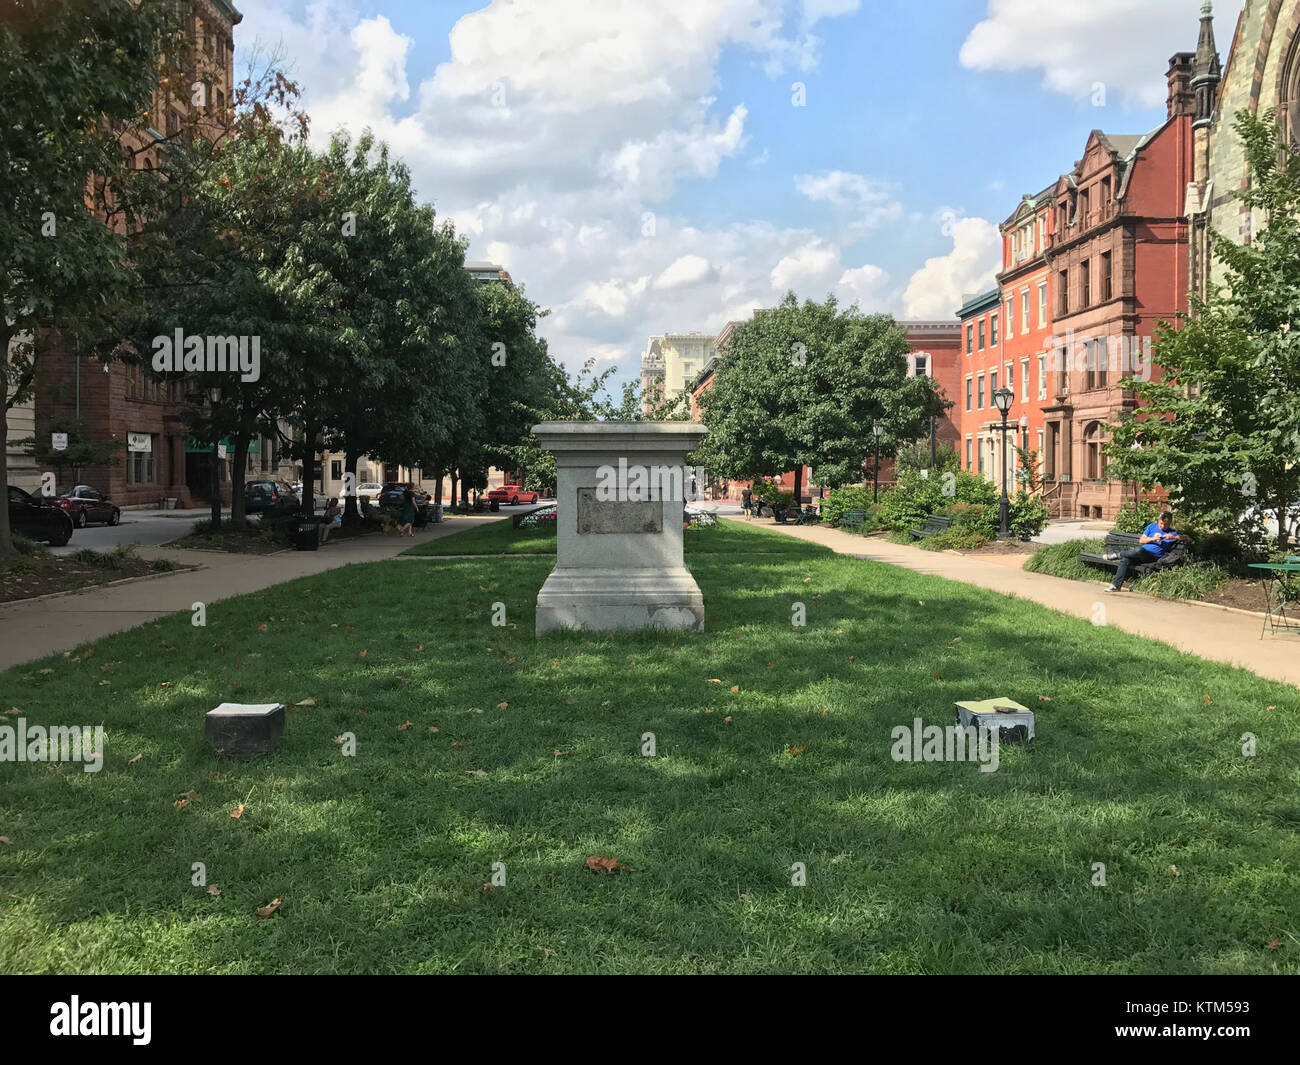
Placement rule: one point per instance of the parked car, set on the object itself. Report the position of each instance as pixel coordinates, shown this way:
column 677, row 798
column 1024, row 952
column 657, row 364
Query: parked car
column 83, row 505
column 36, row 520
column 512, row 494
column 261, row 496
column 369, row 491
column 394, row 495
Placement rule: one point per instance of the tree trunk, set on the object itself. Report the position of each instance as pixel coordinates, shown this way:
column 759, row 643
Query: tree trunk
column 309, row 469
column 350, row 514
column 437, row 490
column 7, row 549
column 464, row 491
column 453, row 486
column 798, row 486
column 237, row 474
column 214, row 484
column 1282, row 517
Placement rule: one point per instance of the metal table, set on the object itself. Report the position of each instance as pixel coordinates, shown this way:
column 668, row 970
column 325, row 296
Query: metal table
column 1287, row 590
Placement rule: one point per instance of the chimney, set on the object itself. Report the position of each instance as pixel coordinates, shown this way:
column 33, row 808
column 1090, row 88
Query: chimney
column 1182, row 100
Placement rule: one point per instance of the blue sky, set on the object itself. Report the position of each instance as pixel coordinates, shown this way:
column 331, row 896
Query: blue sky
column 550, row 131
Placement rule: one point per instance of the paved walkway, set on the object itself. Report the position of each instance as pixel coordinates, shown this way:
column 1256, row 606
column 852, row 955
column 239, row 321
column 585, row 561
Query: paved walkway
column 1205, row 631
column 34, row 629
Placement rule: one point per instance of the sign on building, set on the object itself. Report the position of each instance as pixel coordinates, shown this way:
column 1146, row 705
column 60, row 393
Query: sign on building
column 59, row 441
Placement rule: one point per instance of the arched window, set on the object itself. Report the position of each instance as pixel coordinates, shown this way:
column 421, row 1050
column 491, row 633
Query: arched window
column 1288, row 103
column 1095, row 462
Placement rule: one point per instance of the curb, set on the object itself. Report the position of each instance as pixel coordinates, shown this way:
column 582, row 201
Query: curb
column 96, row 587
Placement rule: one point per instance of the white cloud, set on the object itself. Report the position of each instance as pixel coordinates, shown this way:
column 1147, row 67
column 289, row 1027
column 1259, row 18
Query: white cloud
column 1123, row 45
column 807, row 269
column 870, row 201
column 687, row 270
column 936, row 290
column 865, row 286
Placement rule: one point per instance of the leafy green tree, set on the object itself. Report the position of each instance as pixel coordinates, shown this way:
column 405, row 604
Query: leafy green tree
column 1221, row 430
column 802, row 385
column 76, row 78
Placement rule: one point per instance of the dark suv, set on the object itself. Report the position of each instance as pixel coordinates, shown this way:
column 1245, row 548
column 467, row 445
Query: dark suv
column 261, row 496
column 31, row 518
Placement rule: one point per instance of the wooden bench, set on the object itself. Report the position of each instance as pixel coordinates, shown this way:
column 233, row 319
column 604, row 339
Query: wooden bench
column 934, row 525
column 1117, row 542
column 854, row 519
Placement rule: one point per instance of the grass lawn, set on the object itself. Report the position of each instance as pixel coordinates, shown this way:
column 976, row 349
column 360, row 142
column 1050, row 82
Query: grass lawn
column 380, row 859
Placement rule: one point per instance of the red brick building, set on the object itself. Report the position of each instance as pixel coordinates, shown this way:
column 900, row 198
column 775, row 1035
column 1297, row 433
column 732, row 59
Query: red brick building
column 118, row 402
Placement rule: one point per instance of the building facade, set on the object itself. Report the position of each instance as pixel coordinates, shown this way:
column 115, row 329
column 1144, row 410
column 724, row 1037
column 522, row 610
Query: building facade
column 670, row 365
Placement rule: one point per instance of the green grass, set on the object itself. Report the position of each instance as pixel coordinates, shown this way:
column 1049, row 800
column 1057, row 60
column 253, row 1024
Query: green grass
column 1192, row 580
column 1062, row 560
column 380, row 858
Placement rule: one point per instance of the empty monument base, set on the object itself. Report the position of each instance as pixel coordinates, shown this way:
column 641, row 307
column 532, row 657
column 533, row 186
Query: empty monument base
column 603, row 600
column 242, row 730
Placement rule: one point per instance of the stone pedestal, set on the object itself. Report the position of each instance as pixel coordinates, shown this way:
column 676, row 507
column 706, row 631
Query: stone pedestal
column 619, row 560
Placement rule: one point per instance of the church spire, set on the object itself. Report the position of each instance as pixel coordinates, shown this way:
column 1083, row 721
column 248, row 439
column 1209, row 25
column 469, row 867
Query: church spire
column 1206, row 71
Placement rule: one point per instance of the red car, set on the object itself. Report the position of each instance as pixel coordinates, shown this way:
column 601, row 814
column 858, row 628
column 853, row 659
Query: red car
column 512, row 494
column 83, row 504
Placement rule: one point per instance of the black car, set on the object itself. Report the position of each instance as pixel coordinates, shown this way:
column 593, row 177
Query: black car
column 261, row 496
column 394, row 495
column 83, row 505
column 31, row 518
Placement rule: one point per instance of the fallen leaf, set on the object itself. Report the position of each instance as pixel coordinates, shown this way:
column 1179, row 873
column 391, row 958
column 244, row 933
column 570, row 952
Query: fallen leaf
column 770, row 665
column 1266, row 708
column 796, row 750
column 605, row 703
column 6, row 841
column 261, row 626
column 606, row 865
column 339, row 739
column 193, row 796
column 920, row 602
column 352, row 628
column 853, row 658
column 238, row 811
column 714, row 680
column 457, row 743
column 306, row 702
column 502, row 706
column 361, row 713
column 180, row 804
column 364, row 654
column 485, row 888
column 403, row 727
column 1174, row 869
column 510, row 661
column 727, row 720
column 1206, row 698
column 433, row 728
column 212, row 889
column 102, row 683
column 47, row 671
column 1272, row 944
column 476, row 772
column 165, row 684
column 270, row 907
column 1044, row 698
column 87, row 652
column 420, row 648
column 132, row 761
column 955, row 639
column 806, row 580
column 562, row 754
column 15, row 710
column 937, row 676
column 735, row 687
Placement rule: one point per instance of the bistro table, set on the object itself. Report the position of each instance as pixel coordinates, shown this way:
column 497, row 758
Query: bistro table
column 1287, row 590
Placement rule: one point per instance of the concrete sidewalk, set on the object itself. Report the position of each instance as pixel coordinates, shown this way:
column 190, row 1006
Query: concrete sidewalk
column 34, row 629
column 1206, row 631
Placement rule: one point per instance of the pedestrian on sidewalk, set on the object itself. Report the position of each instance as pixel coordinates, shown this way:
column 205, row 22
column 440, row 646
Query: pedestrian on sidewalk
column 1156, row 539
column 407, row 527
column 747, row 503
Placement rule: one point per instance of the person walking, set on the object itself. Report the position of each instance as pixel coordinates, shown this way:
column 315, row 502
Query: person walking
column 407, row 527
column 747, row 503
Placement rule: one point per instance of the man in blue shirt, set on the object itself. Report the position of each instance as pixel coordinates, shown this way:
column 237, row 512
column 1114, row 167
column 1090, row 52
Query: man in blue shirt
column 1156, row 539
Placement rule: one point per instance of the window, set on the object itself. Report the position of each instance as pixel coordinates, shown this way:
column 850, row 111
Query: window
column 922, row 366
column 1094, row 459
column 1105, row 190
column 980, row 452
column 1063, row 292
column 1042, row 231
column 968, row 393
column 1040, row 452
column 981, row 334
column 993, row 331
column 1011, row 318
column 981, row 392
column 1105, row 276
column 1011, row 377
column 1085, row 269
column 139, row 464
column 1024, row 380
column 336, row 469
column 968, row 457
column 1024, row 310
column 1084, row 203
column 1042, row 305
column 993, row 384
column 970, row 338
column 1042, row 376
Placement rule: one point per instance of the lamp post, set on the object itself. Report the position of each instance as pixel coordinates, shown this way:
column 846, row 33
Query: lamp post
column 877, row 430
column 214, row 394
column 1002, row 400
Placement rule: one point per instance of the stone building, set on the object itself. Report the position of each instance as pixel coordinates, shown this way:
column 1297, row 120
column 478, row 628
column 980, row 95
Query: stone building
column 1262, row 72
column 671, row 363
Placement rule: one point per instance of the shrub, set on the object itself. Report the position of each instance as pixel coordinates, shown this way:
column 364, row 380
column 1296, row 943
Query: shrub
column 1221, row 549
column 841, row 500
column 979, row 517
column 1131, row 519
column 1028, row 515
column 1192, row 580
column 23, row 565
column 957, row 537
column 914, row 497
column 772, row 492
column 1062, row 560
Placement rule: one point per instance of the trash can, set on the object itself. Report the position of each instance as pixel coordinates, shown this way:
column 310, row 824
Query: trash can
column 307, row 538
column 169, row 504
column 423, row 515
column 437, row 514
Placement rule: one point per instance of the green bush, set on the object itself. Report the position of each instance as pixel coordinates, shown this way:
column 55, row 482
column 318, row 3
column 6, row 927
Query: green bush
column 840, row 501
column 1192, row 580
column 1028, row 515
column 1062, row 560
column 957, row 537
column 773, row 493
column 980, row 517
column 23, row 564
column 1131, row 519
column 1218, row 548
column 914, row 497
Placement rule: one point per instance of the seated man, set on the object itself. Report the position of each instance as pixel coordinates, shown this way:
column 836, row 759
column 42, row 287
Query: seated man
column 1156, row 539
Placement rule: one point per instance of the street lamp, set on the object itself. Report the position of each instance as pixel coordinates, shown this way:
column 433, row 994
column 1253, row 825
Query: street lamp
column 877, row 430
column 1002, row 400
column 214, row 482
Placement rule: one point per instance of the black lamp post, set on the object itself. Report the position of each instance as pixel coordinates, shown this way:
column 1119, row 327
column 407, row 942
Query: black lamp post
column 877, row 430
column 214, row 394
column 1002, row 399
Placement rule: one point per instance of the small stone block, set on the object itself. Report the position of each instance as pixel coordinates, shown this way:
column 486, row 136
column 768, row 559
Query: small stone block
column 242, row 730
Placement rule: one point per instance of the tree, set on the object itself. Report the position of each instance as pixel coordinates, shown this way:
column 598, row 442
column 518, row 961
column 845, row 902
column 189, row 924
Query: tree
column 1221, row 430
column 76, row 78
column 802, row 385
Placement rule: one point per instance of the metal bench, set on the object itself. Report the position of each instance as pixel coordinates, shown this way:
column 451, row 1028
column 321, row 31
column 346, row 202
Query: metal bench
column 1117, row 542
column 854, row 519
column 934, row 525
column 809, row 516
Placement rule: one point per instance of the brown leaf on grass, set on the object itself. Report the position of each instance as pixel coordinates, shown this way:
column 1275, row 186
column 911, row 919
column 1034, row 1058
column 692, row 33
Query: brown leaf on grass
column 165, row 684
column 339, row 739
column 727, row 720
column 309, row 701
column 1044, row 698
column 955, row 639
column 937, row 676
column 212, row 889
column 735, row 687
column 270, row 907
column 15, row 710
column 420, row 648
column 606, row 865
column 6, row 841
column 87, row 652
column 1272, row 944
column 457, row 743
column 44, row 671
column 502, row 706
column 180, row 804
column 1270, row 708
column 361, row 713
column 485, row 888
column 796, row 750
column 605, row 703
column 510, row 661
column 261, row 626
column 1206, row 698
column 404, row 726
column 364, row 654
column 1174, row 869
column 476, row 772
column 352, row 628
column 433, row 728
column 714, row 680
column 238, row 811
column 132, row 761
column 562, row 754
column 806, row 580
column 771, row 665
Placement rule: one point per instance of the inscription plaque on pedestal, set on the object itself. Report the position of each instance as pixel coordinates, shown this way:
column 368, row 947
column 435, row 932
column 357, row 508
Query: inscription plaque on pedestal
column 617, row 515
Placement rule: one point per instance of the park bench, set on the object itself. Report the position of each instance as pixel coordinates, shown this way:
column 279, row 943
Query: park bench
column 1117, row 542
column 809, row 516
column 933, row 525
column 854, row 519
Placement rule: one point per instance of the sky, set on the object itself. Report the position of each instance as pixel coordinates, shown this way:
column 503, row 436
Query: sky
column 652, row 166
